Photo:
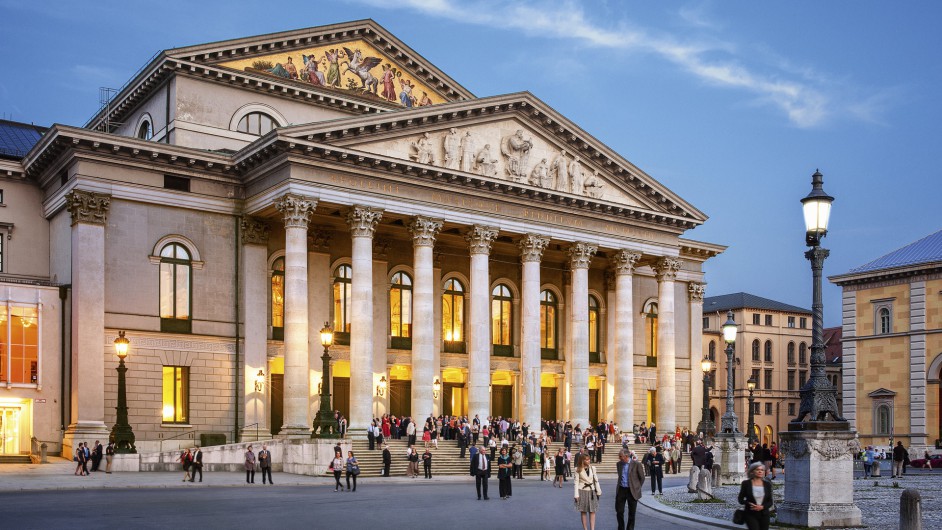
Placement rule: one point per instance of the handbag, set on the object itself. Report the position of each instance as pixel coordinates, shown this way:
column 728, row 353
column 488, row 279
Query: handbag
column 739, row 516
column 355, row 470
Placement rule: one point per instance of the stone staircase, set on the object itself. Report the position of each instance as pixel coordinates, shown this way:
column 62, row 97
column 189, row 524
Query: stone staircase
column 15, row 459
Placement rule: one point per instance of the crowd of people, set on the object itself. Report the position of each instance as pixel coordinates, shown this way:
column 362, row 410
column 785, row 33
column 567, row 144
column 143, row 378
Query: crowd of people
column 84, row 456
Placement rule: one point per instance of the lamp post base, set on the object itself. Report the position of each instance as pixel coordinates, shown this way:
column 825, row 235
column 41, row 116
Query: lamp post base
column 325, row 426
column 732, row 457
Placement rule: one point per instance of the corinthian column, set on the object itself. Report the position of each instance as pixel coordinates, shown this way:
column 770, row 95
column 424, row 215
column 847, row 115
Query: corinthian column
column 624, row 264
column 531, row 252
column 423, row 231
column 580, row 257
column 362, row 221
column 297, row 212
column 695, row 296
column 89, row 216
column 666, row 271
column 480, row 239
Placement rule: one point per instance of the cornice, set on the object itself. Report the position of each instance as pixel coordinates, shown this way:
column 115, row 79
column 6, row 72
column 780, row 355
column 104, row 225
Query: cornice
column 699, row 250
column 931, row 269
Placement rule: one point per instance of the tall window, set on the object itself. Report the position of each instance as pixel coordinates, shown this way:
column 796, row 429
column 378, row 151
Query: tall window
column 755, row 350
column 756, row 318
column 19, row 345
column 883, row 419
column 802, row 378
column 803, row 323
column 802, row 353
column 768, row 380
column 278, row 299
column 501, row 322
column 176, row 269
column 712, row 350
column 706, row 322
column 768, row 320
column 757, row 377
column 768, row 351
column 791, row 322
column 145, row 131
column 650, row 332
column 791, row 353
column 176, row 394
column 885, row 321
column 257, row 123
column 453, row 316
column 594, row 331
column 400, row 311
column 548, row 310
column 791, row 380
column 343, row 297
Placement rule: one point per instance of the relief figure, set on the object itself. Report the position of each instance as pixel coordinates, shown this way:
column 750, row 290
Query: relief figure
column 423, row 150
column 517, row 150
column 467, row 152
column 540, row 176
column 451, row 145
column 486, row 163
column 576, row 177
column 560, row 171
column 594, row 187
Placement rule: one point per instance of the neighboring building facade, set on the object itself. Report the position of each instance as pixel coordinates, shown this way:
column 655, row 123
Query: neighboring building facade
column 773, row 345
column 833, row 351
column 892, row 346
column 473, row 255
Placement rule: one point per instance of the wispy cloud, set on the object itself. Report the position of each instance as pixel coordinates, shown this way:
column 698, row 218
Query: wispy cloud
column 806, row 101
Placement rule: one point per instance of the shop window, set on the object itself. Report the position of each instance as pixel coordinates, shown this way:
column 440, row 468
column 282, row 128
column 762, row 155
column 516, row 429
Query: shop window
column 19, row 345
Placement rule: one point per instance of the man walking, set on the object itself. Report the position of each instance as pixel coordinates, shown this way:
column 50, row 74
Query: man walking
column 427, row 463
column 481, row 469
column 410, row 432
column 899, row 455
column 387, row 460
column 197, row 465
column 630, row 481
column 264, row 462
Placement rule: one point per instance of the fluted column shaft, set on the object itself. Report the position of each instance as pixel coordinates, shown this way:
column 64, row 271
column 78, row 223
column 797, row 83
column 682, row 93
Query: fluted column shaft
column 423, row 231
column 666, row 270
column 255, row 293
column 580, row 256
column 531, row 252
column 362, row 221
column 480, row 239
column 297, row 213
column 695, row 293
column 624, row 264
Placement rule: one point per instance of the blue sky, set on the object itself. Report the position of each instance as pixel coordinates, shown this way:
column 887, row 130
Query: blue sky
column 731, row 104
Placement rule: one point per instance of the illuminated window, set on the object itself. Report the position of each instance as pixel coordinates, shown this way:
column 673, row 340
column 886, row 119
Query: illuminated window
column 343, row 296
column 176, row 269
column 548, row 310
column 453, row 316
column 257, row 123
column 176, row 394
column 650, row 335
column 400, row 311
column 501, row 320
column 278, row 299
column 19, row 345
column 594, row 332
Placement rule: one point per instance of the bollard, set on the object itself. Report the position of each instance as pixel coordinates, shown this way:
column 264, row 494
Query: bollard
column 42, row 454
column 875, row 469
column 705, row 486
column 910, row 510
column 716, row 476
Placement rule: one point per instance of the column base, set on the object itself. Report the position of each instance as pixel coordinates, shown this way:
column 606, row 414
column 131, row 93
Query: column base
column 294, row 432
column 84, row 431
column 249, row 434
column 731, row 457
column 818, row 515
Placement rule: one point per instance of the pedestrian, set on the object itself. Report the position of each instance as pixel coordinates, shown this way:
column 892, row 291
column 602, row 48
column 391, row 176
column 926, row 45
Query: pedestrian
column 264, row 463
column 185, row 460
column 336, row 467
column 97, row 455
column 504, row 471
column 427, row 437
column 371, row 435
column 517, row 470
column 427, row 463
column 410, row 432
column 87, row 457
column 413, row 462
column 545, row 460
column 630, row 482
column 196, row 466
column 109, row 457
column 928, row 460
column 353, row 469
column 387, row 460
column 249, row 466
column 79, row 460
column 656, row 469
column 676, row 455
column 586, row 491
column 868, row 458
column 755, row 495
column 481, row 469
column 560, row 464
column 899, row 455
column 767, row 461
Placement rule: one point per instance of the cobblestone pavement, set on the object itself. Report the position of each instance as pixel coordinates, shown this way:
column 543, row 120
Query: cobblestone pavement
column 877, row 499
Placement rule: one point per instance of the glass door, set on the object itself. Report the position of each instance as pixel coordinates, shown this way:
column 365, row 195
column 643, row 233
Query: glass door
column 9, row 430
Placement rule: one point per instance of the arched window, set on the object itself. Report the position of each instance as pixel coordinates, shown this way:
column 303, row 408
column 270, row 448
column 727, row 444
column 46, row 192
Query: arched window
column 400, row 311
column 883, row 419
column 802, row 353
column 650, row 333
column 176, row 270
column 594, row 330
column 501, row 321
column 548, row 310
column 453, row 316
column 755, row 350
column 145, row 131
column 712, row 350
column 885, row 326
column 257, row 123
column 768, row 351
column 791, row 353
column 278, row 299
column 343, row 297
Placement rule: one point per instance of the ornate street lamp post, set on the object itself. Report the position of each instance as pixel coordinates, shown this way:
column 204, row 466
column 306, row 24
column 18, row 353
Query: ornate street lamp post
column 706, row 423
column 751, row 385
column 325, row 426
column 121, row 434
column 729, row 422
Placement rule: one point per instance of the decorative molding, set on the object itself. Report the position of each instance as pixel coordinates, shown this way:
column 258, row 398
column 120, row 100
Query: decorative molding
column 695, row 291
column 666, row 269
column 88, row 207
column 381, row 249
column 255, row 231
column 580, row 254
column 196, row 261
column 318, row 239
column 624, row 261
column 363, row 220
column 610, row 275
column 153, row 342
column 424, row 229
column 480, row 238
column 532, row 247
column 828, row 449
column 297, row 209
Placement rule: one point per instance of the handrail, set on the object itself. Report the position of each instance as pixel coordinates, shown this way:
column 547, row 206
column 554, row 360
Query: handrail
column 174, row 437
column 256, row 424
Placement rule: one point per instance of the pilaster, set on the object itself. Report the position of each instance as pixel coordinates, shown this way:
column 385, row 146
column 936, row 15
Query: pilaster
column 255, row 292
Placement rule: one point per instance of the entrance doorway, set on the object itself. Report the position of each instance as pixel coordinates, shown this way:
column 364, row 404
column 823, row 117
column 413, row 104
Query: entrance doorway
column 11, row 432
column 400, row 397
column 652, row 406
column 502, row 400
column 548, row 404
column 594, row 406
column 277, row 402
column 341, row 396
column 453, row 396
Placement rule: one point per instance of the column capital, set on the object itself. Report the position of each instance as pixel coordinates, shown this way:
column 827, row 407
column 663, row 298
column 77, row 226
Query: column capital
column 480, row 238
column 580, row 254
column 297, row 209
column 88, row 207
column 695, row 291
column 532, row 247
column 254, row 231
column 318, row 239
column 424, row 229
column 666, row 268
column 363, row 220
column 624, row 261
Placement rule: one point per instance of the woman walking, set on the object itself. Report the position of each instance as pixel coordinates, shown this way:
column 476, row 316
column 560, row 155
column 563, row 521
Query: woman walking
column 546, row 457
column 80, row 461
column 336, row 467
column 353, row 469
column 504, row 466
column 186, row 459
column 587, row 491
column 427, row 437
column 249, row 466
column 560, row 464
column 756, row 497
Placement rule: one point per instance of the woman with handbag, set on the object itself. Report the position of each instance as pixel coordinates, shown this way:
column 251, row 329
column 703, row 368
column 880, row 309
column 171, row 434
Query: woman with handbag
column 504, row 468
column 755, row 495
column 336, row 467
column 586, row 491
column 353, row 469
column 249, row 466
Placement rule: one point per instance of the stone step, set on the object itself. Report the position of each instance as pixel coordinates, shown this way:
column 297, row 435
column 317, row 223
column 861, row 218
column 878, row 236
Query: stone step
column 15, row 459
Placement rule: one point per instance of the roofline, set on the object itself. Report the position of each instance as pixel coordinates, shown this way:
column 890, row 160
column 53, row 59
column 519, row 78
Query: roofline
column 889, row 272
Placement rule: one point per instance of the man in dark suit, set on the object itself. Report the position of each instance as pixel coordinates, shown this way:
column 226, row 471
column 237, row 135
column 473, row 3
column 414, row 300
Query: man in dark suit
column 630, row 481
column 97, row 453
column 462, row 443
column 264, row 462
column 481, row 469
column 387, row 460
column 197, row 465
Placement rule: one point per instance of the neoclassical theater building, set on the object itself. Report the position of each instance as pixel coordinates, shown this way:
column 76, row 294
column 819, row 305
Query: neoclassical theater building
column 473, row 255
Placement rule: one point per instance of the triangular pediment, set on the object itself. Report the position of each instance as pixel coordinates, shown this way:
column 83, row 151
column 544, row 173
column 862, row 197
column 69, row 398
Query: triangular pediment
column 514, row 138
column 881, row 393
